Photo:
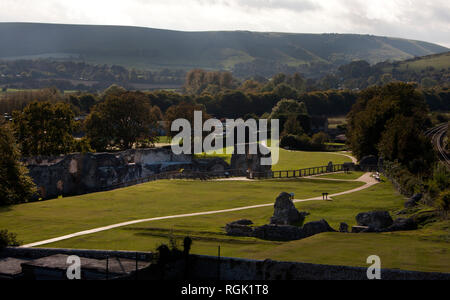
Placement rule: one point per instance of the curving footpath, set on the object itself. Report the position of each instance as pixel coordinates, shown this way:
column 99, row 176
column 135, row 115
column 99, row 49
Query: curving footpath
column 366, row 178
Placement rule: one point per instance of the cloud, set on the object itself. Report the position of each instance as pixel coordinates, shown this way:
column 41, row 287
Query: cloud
column 427, row 20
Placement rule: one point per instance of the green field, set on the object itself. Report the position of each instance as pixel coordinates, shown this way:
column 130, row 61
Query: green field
column 291, row 160
column 344, row 176
column 334, row 122
column 42, row 220
column 438, row 61
column 426, row 249
column 295, row 160
column 64, row 216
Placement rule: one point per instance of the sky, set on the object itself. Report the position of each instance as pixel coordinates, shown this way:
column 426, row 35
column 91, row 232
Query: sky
column 426, row 20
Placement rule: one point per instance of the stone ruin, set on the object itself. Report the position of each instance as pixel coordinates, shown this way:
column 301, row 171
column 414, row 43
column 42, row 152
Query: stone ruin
column 81, row 173
column 381, row 221
column 286, row 224
column 250, row 162
column 285, row 212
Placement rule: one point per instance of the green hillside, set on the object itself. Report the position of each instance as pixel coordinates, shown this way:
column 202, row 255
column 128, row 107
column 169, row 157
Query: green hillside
column 436, row 61
column 154, row 48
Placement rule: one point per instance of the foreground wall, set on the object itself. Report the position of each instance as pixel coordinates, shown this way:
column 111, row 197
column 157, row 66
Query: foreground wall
column 210, row 267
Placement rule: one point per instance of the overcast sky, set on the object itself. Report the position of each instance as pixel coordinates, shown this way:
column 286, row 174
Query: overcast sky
column 427, row 20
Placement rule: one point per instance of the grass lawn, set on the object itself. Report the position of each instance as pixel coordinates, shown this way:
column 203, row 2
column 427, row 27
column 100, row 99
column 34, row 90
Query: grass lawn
column 42, row 220
column 426, row 249
column 292, row 160
column 343, row 176
column 164, row 139
column 295, row 160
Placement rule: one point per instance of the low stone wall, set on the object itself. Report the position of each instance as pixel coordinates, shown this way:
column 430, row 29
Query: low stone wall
column 36, row 253
column 202, row 267
column 207, row 268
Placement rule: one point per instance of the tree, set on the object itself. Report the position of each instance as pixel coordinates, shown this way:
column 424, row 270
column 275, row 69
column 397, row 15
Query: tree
column 114, row 90
column 319, row 138
column 43, row 128
column 198, row 81
column 372, row 116
column 122, row 121
column 292, row 126
column 15, row 184
column 403, row 141
column 183, row 111
column 288, row 108
column 250, row 86
column 231, row 104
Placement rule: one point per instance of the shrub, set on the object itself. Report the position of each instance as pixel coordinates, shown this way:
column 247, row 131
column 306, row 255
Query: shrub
column 443, row 201
column 320, row 138
column 8, row 239
column 302, row 142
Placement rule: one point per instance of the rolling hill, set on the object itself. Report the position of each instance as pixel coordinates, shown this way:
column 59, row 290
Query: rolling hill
column 147, row 48
column 436, row 61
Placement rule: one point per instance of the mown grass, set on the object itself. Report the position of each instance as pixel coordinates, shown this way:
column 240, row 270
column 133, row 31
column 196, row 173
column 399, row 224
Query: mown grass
column 426, row 249
column 295, row 160
column 42, row 220
column 343, row 176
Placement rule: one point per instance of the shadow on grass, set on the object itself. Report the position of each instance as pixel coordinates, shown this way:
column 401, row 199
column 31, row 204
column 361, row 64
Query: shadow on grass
column 194, row 235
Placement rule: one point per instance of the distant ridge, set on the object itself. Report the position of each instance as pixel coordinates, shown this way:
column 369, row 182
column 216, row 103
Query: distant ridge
column 157, row 48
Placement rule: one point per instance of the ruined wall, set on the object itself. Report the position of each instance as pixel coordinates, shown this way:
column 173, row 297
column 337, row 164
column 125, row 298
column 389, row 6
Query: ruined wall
column 82, row 173
column 250, row 162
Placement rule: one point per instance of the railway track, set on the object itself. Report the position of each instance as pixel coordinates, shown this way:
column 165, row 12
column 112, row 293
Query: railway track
column 437, row 136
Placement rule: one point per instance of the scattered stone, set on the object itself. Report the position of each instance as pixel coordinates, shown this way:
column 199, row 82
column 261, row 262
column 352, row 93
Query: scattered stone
column 359, row 229
column 278, row 232
column 343, row 228
column 313, row 228
column 243, row 222
column 375, row 219
column 401, row 224
column 285, row 212
column 239, row 230
column 413, row 201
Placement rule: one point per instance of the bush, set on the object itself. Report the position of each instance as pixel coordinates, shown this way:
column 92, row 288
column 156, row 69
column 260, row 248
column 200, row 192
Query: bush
column 443, row 201
column 320, row 138
column 302, row 142
column 8, row 239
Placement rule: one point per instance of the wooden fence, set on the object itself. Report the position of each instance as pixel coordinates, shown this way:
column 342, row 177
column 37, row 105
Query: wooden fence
column 298, row 173
column 196, row 175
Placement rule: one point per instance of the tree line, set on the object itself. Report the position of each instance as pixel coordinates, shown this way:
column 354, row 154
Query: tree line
column 389, row 122
column 72, row 75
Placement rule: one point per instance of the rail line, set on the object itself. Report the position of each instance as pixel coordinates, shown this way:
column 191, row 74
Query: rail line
column 437, row 135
